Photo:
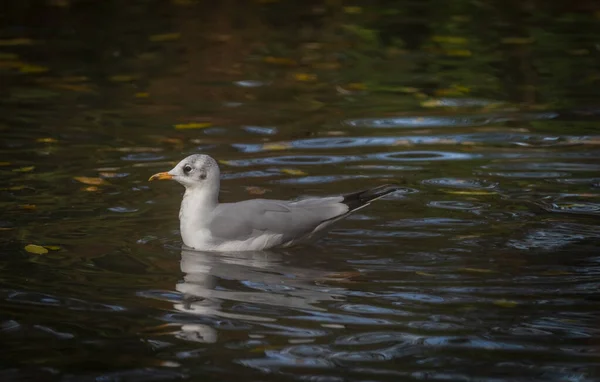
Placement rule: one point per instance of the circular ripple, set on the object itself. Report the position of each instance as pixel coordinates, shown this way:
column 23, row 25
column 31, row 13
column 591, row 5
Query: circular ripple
column 575, row 208
column 430, row 325
column 460, row 183
column 417, row 156
column 526, row 174
column 457, row 205
column 418, row 121
column 371, row 338
column 295, row 160
column 142, row 157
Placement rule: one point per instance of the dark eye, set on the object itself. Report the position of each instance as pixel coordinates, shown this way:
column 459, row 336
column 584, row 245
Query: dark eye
column 187, row 168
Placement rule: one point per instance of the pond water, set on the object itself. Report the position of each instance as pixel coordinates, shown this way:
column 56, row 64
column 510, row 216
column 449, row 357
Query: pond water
column 484, row 267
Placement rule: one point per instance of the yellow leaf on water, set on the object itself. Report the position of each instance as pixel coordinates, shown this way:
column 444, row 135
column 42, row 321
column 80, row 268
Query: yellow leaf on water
column 16, row 42
column 291, row 171
column 46, row 140
column 450, row 40
column 279, row 61
column 165, row 37
column 458, row 53
column 432, row 103
column 8, row 56
column 253, row 190
column 276, row 146
column 193, row 125
column 477, row 270
column 14, row 188
column 225, row 162
column 106, row 174
column 506, row 303
column 122, row 78
column 353, row 10
column 79, row 88
column 24, row 169
column 52, row 247
column 356, row 86
column 27, row 206
column 90, row 181
column 30, row 68
column 90, row 189
column 424, row 274
column 141, row 95
column 305, row 77
column 36, row 249
column 517, row 40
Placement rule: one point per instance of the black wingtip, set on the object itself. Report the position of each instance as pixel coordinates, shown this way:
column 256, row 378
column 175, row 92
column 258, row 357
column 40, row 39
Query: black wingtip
column 358, row 199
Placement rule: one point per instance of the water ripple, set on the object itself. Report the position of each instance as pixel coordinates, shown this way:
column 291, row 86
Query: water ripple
column 446, row 121
column 461, row 183
column 457, row 205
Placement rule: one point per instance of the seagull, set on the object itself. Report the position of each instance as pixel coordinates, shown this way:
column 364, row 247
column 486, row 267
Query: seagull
column 255, row 224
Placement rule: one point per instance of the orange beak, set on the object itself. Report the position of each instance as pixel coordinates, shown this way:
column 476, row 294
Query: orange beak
column 161, row 176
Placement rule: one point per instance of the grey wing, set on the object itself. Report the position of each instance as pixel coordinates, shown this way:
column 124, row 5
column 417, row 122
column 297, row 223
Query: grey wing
column 239, row 221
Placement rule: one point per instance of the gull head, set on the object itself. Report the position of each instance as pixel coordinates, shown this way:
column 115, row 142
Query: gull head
column 194, row 172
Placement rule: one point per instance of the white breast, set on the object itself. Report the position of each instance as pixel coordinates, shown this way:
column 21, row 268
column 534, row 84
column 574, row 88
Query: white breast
column 202, row 240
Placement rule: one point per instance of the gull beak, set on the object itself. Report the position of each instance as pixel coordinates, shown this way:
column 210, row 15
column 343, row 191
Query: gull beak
column 161, row 176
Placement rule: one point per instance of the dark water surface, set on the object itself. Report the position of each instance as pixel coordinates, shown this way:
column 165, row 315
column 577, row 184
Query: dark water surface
column 484, row 268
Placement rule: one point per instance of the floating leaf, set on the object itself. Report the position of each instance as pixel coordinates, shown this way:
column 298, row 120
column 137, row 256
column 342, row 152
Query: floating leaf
column 90, row 181
column 30, row 68
column 24, row 169
column 477, row 270
column 46, row 140
column 458, row 53
column 106, row 174
column 193, row 125
column 122, row 78
column 506, row 303
column 353, row 10
column 450, row 40
column 74, row 87
column 517, row 40
column 305, row 77
column 424, row 274
column 291, row 171
column 36, row 249
column 141, row 95
column 431, row 103
column 279, row 61
column 356, row 86
column 165, row 37
column 225, row 162
column 8, row 56
column 16, row 42
column 90, row 189
column 256, row 190
column 276, row 146
column 52, row 247
column 29, row 207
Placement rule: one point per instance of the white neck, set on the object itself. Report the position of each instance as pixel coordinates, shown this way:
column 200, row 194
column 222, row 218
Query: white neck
column 196, row 210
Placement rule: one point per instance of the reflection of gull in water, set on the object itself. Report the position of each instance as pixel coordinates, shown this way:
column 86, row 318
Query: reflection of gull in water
column 273, row 284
